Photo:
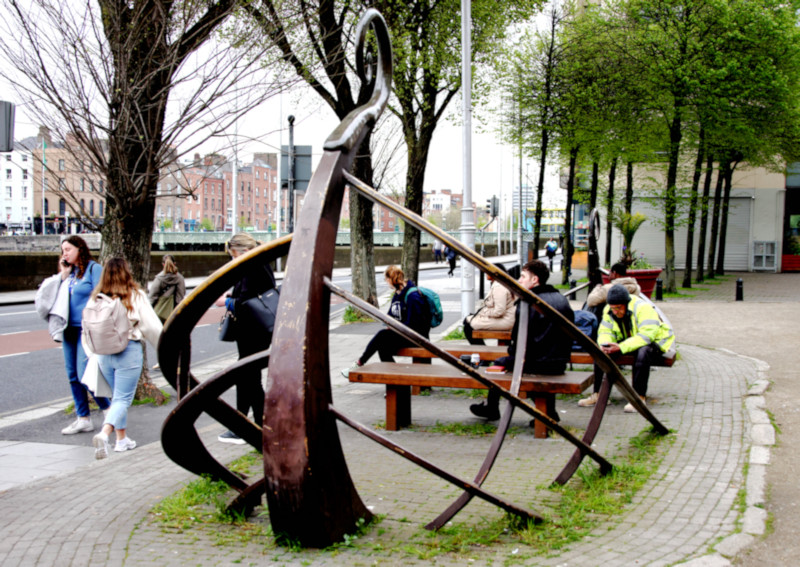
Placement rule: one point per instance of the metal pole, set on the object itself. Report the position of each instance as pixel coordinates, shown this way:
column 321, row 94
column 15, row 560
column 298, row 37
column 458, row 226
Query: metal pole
column 234, row 190
column 279, row 188
column 44, row 163
column 467, row 212
column 291, row 173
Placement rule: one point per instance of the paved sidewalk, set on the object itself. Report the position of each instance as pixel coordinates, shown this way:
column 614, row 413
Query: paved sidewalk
column 688, row 511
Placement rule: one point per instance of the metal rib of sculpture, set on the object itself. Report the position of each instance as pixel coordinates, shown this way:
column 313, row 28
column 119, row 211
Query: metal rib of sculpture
column 308, row 488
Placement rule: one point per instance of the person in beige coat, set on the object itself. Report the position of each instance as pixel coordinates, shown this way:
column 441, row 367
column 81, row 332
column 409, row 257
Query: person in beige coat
column 496, row 313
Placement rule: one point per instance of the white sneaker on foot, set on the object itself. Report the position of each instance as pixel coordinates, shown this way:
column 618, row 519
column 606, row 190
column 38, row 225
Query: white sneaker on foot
column 630, row 409
column 590, row 401
column 125, row 444
column 100, row 442
column 78, row 426
column 346, row 371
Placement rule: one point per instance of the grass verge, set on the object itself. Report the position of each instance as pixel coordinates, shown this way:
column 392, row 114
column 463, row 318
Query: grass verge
column 353, row 315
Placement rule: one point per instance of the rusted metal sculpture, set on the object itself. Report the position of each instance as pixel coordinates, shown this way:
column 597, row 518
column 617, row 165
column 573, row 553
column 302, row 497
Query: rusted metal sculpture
column 308, row 488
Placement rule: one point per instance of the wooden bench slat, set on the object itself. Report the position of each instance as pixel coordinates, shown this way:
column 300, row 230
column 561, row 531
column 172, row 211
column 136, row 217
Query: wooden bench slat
column 490, row 352
column 446, row 376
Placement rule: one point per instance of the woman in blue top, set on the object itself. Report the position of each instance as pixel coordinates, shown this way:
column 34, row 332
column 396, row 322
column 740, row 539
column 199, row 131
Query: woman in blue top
column 408, row 307
column 82, row 274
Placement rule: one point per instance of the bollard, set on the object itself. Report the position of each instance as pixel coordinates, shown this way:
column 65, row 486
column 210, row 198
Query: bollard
column 572, row 284
column 739, row 290
column 659, row 290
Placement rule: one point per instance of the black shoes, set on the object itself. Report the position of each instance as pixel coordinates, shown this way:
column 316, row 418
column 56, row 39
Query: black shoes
column 484, row 411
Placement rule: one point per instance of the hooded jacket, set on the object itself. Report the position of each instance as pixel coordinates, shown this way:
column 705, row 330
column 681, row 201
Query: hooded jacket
column 640, row 326
column 167, row 284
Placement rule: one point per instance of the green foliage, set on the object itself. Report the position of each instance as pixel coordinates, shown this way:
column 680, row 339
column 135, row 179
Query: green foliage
column 151, row 400
column 354, row 315
column 206, row 224
column 456, row 334
column 628, row 224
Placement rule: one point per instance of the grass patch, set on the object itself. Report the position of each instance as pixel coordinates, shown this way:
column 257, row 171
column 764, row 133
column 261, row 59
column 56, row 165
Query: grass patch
column 483, row 429
column 151, row 400
column 456, row 334
column 677, row 294
column 353, row 315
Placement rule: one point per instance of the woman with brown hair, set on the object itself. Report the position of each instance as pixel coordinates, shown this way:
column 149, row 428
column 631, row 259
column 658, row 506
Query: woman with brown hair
column 409, row 307
column 169, row 283
column 77, row 277
column 122, row 370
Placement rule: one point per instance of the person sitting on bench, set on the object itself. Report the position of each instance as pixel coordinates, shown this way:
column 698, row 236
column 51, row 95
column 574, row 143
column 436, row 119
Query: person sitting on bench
column 496, row 313
column 596, row 300
column 408, row 307
column 548, row 347
column 631, row 325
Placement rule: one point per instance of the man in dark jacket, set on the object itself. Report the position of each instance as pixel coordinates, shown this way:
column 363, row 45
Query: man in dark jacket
column 548, row 347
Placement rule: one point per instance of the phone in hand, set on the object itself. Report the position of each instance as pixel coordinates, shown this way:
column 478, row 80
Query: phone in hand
column 64, row 263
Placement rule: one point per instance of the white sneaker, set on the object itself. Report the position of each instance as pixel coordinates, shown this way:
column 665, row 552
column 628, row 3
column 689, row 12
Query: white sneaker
column 630, row 409
column 125, row 444
column 78, row 426
column 100, row 442
column 590, row 401
column 346, row 371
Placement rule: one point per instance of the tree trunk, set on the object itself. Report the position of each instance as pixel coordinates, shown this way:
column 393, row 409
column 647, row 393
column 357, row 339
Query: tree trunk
column 701, row 248
column 362, row 260
column 698, row 171
column 629, row 187
column 670, row 200
column 612, row 175
column 566, row 248
column 723, row 229
column 712, row 245
column 593, row 193
column 540, row 192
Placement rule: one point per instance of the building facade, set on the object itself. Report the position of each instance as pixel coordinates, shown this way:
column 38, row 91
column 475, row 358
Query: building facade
column 16, row 196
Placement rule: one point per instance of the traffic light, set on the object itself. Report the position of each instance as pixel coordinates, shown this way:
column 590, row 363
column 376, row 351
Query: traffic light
column 489, row 203
column 495, row 206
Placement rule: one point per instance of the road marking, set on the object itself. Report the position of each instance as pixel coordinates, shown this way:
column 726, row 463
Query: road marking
column 14, row 354
column 17, row 313
column 14, row 333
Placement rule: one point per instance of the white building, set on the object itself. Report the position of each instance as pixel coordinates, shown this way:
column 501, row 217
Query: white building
column 16, row 196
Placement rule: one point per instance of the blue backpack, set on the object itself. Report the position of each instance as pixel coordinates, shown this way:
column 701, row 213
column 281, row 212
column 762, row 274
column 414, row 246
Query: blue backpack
column 434, row 304
column 586, row 322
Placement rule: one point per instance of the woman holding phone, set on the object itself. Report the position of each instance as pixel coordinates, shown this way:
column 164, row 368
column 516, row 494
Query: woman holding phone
column 78, row 275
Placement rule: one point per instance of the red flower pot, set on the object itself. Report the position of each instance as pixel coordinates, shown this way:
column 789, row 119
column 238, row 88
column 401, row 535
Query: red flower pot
column 645, row 278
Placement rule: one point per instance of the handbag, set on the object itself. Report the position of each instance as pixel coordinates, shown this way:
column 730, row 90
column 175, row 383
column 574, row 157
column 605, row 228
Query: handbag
column 94, row 380
column 227, row 327
column 164, row 306
column 261, row 309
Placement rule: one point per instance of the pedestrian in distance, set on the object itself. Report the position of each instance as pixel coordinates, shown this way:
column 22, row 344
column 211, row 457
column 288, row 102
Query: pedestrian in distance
column 450, row 254
column 123, row 369
column 60, row 300
column 548, row 347
column 496, row 312
column 168, row 289
column 437, row 250
column 550, row 249
column 409, row 307
column 250, row 338
column 631, row 325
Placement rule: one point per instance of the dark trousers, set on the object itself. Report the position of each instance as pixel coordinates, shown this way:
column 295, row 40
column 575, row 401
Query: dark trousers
column 452, row 262
column 646, row 356
column 468, row 335
column 385, row 342
column 493, row 397
column 249, row 391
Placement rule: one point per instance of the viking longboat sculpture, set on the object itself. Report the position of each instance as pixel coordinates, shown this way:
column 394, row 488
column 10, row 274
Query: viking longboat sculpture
column 309, row 492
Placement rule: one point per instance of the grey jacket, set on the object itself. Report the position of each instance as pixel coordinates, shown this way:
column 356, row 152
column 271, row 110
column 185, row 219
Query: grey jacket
column 52, row 305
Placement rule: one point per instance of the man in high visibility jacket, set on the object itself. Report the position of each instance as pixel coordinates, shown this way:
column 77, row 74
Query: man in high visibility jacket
column 631, row 325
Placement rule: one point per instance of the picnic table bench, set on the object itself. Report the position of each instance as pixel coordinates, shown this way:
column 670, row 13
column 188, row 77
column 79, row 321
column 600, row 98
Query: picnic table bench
column 503, row 337
column 399, row 378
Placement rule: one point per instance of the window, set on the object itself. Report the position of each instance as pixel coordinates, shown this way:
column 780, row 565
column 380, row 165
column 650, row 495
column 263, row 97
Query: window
column 8, row 174
column 24, row 191
column 83, row 206
column 62, row 184
column 24, row 158
column 83, row 184
column 205, row 202
column 91, row 185
column 213, row 204
column 159, row 212
column 101, row 185
column 8, row 157
column 158, row 188
column 24, row 174
column 61, row 166
column 9, row 192
column 100, row 208
column 91, row 208
column 8, row 213
column 169, row 211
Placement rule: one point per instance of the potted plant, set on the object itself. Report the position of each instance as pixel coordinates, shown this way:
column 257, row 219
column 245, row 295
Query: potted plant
column 639, row 268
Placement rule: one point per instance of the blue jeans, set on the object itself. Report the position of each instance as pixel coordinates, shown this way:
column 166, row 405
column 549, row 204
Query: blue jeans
column 122, row 371
column 75, row 362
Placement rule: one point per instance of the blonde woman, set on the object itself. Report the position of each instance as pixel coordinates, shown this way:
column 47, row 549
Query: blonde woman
column 122, row 370
column 250, row 338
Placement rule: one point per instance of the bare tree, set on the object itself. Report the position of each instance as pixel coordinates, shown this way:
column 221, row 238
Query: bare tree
column 127, row 83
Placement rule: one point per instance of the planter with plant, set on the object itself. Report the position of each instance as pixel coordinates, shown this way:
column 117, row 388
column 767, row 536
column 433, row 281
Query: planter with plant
column 638, row 266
